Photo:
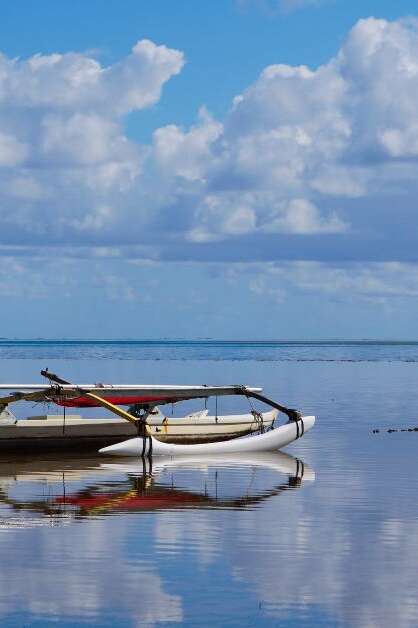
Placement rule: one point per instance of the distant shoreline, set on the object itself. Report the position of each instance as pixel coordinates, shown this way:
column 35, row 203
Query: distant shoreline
column 200, row 342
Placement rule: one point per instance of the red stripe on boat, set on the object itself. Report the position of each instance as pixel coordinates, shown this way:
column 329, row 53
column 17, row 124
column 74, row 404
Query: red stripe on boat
column 125, row 400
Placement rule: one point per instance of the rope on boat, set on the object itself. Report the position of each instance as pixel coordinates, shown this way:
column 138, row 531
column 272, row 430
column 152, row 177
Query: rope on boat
column 258, row 416
column 293, row 415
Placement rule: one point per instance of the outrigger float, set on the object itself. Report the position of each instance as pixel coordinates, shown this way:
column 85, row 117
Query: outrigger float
column 145, row 430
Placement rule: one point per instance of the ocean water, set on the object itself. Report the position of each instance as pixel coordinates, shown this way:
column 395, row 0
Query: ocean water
column 322, row 534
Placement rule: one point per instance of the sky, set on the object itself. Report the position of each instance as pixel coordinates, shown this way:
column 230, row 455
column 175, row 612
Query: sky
column 232, row 169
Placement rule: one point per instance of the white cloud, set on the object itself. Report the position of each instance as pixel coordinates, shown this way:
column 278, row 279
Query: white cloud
column 224, row 215
column 298, row 138
column 378, row 282
column 136, row 82
column 12, row 152
column 302, row 217
column 74, row 81
column 81, row 138
column 186, row 154
column 336, row 180
column 62, row 140
column 95, row 220
column 400, row 142
column 221, row 216
column 319, row 154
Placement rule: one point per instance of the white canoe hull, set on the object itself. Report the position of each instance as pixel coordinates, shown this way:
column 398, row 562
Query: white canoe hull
column 269, row 441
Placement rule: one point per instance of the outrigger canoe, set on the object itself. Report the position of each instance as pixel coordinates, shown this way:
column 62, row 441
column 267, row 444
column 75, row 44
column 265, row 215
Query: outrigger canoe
column 48, row 432
column 149, row 439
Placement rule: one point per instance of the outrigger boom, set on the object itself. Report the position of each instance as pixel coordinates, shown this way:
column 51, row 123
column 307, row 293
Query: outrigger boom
column 66, row 394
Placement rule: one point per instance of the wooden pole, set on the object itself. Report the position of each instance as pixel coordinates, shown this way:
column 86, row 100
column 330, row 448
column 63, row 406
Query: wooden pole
column 116, row 410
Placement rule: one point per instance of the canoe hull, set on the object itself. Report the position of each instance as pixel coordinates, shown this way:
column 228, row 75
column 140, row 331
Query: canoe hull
column 269, row 441
column 201, row 428
column 52, row 433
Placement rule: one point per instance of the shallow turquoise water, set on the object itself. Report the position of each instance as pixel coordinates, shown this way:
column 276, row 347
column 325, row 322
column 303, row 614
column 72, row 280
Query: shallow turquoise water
column 325, row 535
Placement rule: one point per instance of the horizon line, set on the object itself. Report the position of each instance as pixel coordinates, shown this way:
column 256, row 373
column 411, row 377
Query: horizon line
column 210, row 340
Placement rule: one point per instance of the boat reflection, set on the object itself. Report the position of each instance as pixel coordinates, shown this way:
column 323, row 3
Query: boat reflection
column 76, row 489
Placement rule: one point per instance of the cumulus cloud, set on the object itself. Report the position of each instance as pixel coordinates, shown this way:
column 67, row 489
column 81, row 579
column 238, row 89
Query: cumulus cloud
column 308, row 162
column 12, row 152
column 74, row 80
column 309, row 152
column 186, row 154
column 303, row 217
column 64, row 155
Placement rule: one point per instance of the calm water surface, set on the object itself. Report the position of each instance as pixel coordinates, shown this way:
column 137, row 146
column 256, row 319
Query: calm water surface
column 325, row 534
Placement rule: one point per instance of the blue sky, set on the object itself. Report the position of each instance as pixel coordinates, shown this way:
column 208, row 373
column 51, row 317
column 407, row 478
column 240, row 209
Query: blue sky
column 209, row 170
